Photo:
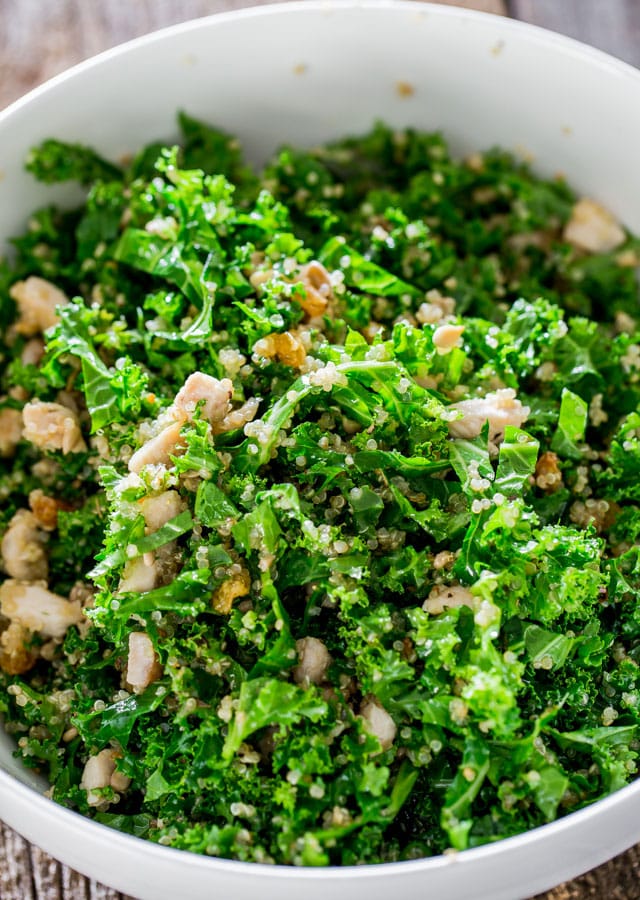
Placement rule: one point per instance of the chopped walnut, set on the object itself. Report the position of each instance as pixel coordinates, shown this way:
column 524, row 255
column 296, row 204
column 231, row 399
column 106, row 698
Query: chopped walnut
column 214, row 395
column 52, row 426
column 45, row 509
column 37, row 300
column 317, row 285
column 593, row 228
column 23, row 551
column 448, row 596
column 444, row 559
column 143, row 666
column 10, row 431
column 447, row 337
column 39, row 610
column 99, row 773
column 313, row 661
column 500, row 408
column 378, row 722
column 16, row 657
column 159, row 450
column 287, row 348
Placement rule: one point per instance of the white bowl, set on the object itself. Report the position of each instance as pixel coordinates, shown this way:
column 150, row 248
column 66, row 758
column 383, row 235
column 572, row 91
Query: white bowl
column 306, row 72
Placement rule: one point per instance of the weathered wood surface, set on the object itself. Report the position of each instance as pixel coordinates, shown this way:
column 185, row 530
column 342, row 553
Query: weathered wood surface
column 39, row 39
column 611, row 25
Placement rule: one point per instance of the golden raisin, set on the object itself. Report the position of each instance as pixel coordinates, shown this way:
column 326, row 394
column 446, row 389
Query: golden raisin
column 45, row 509
column 548, row 474
column 234, row 587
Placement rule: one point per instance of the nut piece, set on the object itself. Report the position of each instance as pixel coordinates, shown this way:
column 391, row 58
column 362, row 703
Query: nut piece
column 159, row 450
column 23, row 553
column 15, row 656
column 99, row 773
column 239, row 417
column 500, row 408
column 52, row 426
column 10, row 431
column 378, row 722
column 313, row 661
column 234, row 587
column 317, row 284
column 214, row 395
column 45, row 509
column 143, row 666
column 159, row 510
column 446, row 337
column 37, row 300
column 448, row 596
column 286, row 348
column 32, row 352
column 593, row 228
column 39, row 610
column 139, row 575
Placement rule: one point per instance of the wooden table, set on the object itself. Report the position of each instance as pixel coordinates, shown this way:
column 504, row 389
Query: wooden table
column 39, row 39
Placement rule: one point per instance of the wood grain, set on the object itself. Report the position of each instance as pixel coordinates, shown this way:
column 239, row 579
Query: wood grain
column 611, row 25
column 40, row 39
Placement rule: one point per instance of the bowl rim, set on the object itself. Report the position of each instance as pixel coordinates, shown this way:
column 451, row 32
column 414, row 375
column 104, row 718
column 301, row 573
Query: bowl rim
column 28, row 795
column 536, row 33
column 552, row 831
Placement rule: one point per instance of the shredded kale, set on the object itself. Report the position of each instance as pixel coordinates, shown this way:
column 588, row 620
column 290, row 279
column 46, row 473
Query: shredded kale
column 331, row 475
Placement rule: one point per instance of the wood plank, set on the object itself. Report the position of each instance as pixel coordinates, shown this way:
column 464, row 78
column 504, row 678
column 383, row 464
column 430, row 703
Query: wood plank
column 611, row 25
column 498, row 7
column 15, row 868
column 76, row 30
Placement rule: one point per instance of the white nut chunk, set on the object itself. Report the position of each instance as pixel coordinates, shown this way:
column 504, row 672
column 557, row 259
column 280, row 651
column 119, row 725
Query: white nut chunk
column 213, row 395
column 593, row 228
column 10, row 431
column 448, row 596
column 38, row 609
column 378, row 721
column 23, row 553
column 237, row 418
column 138, row 576
column 99, row 773
column 159, row 450
column 446, row 337
column 499, row 409
column 159, row 510
column 143, row 667
column 37, row 300
column 52, row 426
column 313, row 661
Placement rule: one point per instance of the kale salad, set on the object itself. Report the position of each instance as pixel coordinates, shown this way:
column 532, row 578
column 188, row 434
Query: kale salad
column 320, row 497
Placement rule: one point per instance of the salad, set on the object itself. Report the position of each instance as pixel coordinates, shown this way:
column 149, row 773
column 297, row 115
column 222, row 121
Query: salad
column 320, row 497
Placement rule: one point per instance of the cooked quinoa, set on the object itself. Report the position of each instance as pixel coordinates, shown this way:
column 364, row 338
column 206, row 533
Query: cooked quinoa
column 320, row 497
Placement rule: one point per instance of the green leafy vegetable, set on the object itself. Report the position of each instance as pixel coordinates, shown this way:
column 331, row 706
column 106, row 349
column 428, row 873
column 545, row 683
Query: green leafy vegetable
column 342, row 461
